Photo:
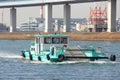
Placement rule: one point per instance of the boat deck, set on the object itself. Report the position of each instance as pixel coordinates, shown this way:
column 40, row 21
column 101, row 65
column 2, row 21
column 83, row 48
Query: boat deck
column 74, row 54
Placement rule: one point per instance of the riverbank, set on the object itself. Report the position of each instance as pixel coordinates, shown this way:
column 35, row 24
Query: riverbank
column 100, row 36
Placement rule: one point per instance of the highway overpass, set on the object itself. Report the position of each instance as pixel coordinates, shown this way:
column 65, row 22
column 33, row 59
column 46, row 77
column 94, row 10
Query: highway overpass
column 48, row 9
column 24, row 3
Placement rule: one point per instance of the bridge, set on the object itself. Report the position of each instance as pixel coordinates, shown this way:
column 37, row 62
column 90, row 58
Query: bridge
column 13, row 4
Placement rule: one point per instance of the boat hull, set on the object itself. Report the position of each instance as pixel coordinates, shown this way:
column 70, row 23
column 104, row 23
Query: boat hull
column 44, row 56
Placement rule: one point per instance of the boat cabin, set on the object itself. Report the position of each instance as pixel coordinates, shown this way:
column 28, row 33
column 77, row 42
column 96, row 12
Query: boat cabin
column 43, row 42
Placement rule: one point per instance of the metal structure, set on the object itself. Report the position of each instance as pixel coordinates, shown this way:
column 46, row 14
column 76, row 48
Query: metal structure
column 98, row 17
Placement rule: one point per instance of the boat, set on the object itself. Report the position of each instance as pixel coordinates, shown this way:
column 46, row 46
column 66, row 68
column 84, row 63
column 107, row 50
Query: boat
column 47, row 47
column 54, row 48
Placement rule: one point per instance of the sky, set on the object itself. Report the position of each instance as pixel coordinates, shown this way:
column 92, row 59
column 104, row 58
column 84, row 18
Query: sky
column 79, row 10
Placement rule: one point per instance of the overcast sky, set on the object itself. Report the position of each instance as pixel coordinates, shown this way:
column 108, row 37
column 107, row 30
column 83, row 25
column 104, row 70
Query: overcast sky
column 80, row 10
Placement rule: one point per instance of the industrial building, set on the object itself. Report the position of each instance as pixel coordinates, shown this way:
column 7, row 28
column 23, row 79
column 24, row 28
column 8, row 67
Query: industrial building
column 38, row 24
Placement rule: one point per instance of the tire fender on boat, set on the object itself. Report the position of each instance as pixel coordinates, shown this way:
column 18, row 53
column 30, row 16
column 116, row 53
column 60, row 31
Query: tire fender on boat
column 23, row 55
column 112, row 57
column 53, row 50
column 30, row 55
column 48, row 57
column 61, row 57
column 39, row 58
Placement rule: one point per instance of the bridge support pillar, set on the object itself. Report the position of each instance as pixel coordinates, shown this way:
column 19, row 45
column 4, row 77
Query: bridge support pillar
column 111, row 16
column 67, row 14
column 48, row 18
column 12, row 19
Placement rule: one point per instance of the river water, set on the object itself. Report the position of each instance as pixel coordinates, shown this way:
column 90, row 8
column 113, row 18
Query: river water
column 12, row 67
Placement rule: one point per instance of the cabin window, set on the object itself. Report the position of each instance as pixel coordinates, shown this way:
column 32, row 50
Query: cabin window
column 64, row 40
column 47, row 40
column 32, row 49
column 56, row 40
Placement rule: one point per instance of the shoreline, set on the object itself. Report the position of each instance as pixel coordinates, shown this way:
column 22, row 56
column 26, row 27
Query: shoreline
column 74, row 36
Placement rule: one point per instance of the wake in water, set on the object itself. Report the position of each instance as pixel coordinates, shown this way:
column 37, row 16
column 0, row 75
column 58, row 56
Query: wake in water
column 75, row 62
column 103, row 62
column 64, row 62
column 9, row 55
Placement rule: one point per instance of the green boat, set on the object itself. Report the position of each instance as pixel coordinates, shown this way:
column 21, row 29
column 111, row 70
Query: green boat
column 47, row 47
column 53, row 47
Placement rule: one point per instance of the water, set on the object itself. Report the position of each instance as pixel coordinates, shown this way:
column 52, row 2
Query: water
column 12, row 67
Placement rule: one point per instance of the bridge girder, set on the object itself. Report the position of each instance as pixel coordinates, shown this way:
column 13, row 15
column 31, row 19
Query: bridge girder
column 27, row 3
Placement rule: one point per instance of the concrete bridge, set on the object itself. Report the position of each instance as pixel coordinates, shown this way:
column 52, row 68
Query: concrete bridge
column 48, row 9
